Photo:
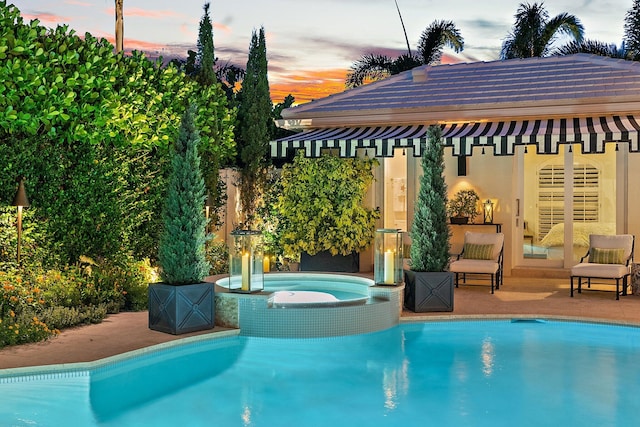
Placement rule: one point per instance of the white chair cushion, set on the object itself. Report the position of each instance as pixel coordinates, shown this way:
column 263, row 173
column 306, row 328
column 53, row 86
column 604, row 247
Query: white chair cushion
column 603, row 271
column 474, row 266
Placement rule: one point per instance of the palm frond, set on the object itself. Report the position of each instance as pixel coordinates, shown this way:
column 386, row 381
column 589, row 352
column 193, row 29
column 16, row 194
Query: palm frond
column 369, row 67
column 435, row 37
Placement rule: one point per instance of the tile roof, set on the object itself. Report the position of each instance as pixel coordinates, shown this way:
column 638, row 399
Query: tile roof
column 575, row 84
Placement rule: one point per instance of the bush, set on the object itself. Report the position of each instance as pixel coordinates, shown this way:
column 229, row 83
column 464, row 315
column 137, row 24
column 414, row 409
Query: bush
column 217, row 254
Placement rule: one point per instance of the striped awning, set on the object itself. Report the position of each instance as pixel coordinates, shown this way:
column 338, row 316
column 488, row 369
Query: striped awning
column 502, row 136
column 347, row 139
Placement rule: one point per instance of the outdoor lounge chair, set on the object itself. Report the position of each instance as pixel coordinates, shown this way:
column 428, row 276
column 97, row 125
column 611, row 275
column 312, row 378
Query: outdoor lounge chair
column 609, row 257
column 482, row 253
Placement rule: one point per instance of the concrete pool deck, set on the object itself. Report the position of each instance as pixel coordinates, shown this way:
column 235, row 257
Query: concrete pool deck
column 517, row 297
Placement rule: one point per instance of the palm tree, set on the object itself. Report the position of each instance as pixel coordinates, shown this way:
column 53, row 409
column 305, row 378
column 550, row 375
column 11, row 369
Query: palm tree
column 533, row 33
column 119, row 26
column 594, row 47
column 432, row 41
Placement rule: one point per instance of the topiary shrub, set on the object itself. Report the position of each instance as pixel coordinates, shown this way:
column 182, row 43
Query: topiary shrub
column 181, row 251
column 430, row 231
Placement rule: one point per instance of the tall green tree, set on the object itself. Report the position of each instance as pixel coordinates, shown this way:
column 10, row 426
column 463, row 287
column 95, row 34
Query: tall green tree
column 254, row 128
column 206, row 57
column 429, row 230
column 437, row 36
column 181, row 250
column 533, row 33
column 632, row 31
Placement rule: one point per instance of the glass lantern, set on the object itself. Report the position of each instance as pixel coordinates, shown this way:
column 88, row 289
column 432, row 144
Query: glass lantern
column 387, row 257
column 246, row 264
column 488, row 211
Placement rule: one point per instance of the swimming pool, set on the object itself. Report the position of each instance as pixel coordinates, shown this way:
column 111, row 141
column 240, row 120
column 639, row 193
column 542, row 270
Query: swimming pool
column 529, row 372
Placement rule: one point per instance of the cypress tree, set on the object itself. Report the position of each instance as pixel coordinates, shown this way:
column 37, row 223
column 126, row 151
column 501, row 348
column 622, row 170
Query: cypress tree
column 181, row 251
column 632, row 31
column 254, row 127
column 429, row 231
column 206, row 57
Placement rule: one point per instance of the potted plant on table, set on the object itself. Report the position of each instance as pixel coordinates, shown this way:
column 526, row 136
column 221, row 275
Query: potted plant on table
column 463, row 208
column 182, row 302
column 321, row 213
column 428, row 284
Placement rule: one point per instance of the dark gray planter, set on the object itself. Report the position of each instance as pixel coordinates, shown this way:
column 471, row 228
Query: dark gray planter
column 428, row 291
column 181, row 309
column 324, row 261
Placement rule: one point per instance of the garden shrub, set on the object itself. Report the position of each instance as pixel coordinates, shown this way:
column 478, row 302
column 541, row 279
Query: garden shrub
column 217, row 254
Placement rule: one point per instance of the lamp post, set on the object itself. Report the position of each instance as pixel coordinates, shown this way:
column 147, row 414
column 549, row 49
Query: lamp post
column 20, row 200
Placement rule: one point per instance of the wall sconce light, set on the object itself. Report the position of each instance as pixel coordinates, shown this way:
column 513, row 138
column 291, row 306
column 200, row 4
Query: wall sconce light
column 488, row 211
column 21, row 201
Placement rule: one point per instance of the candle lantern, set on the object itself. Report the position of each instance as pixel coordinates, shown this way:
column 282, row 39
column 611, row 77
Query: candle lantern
column 246, row 263
column 387, row 262
column 488, row 211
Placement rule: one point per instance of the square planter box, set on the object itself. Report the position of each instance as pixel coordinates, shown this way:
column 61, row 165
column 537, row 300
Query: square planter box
column 324, row 261
column 428, row 291
column 181, row 309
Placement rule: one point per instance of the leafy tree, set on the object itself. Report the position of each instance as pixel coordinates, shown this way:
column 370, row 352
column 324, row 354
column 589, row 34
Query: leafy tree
column 533, row 33
column 437, row 36
column 182, row 251
column 632, row 31
column 90, row 131
column 254, row 128
column 430, row 231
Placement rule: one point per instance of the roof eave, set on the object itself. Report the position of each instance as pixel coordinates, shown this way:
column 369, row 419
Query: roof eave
column 484, row 112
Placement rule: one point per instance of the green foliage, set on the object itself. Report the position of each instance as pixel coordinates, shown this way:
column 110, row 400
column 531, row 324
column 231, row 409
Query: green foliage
column 206, row 58
column 632, row 31
column 36, row 302
column 217, row 254
column 533, row 34
column 57, row 318
column 430, row 231
column 90, row 131
column 464, row 203
column 181, row 252
column 321, row 205
column 254, row 128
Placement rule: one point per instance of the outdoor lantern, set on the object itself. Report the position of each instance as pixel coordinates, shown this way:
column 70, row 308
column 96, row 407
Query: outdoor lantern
column 246, row 265
column 21, row 201
column 387, row 257
column 488, row 211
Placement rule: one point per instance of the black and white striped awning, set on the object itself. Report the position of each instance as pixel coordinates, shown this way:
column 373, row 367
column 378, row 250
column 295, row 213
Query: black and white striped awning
column 545, row 134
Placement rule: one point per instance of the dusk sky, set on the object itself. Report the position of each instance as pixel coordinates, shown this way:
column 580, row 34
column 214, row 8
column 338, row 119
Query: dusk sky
column 312, row 43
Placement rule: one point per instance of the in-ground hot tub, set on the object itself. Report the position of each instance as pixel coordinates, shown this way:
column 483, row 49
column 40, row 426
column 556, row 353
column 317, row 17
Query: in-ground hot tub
column 309, row 305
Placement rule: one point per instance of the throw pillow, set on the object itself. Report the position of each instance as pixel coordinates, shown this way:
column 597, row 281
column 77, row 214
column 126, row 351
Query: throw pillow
column 606, row 256
column 478, row 251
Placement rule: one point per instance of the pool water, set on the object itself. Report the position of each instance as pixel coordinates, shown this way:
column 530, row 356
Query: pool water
column 455, row 373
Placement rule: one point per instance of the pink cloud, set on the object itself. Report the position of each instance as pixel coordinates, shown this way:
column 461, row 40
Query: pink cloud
column 79, row 3
column 146, row 13
column 46, row 19
column 222, row 27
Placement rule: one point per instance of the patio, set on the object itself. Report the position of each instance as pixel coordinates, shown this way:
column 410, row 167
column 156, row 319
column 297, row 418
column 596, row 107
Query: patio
column 517, row 297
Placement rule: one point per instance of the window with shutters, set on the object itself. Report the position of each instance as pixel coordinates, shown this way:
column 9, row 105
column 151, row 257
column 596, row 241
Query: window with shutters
column 586, row 195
